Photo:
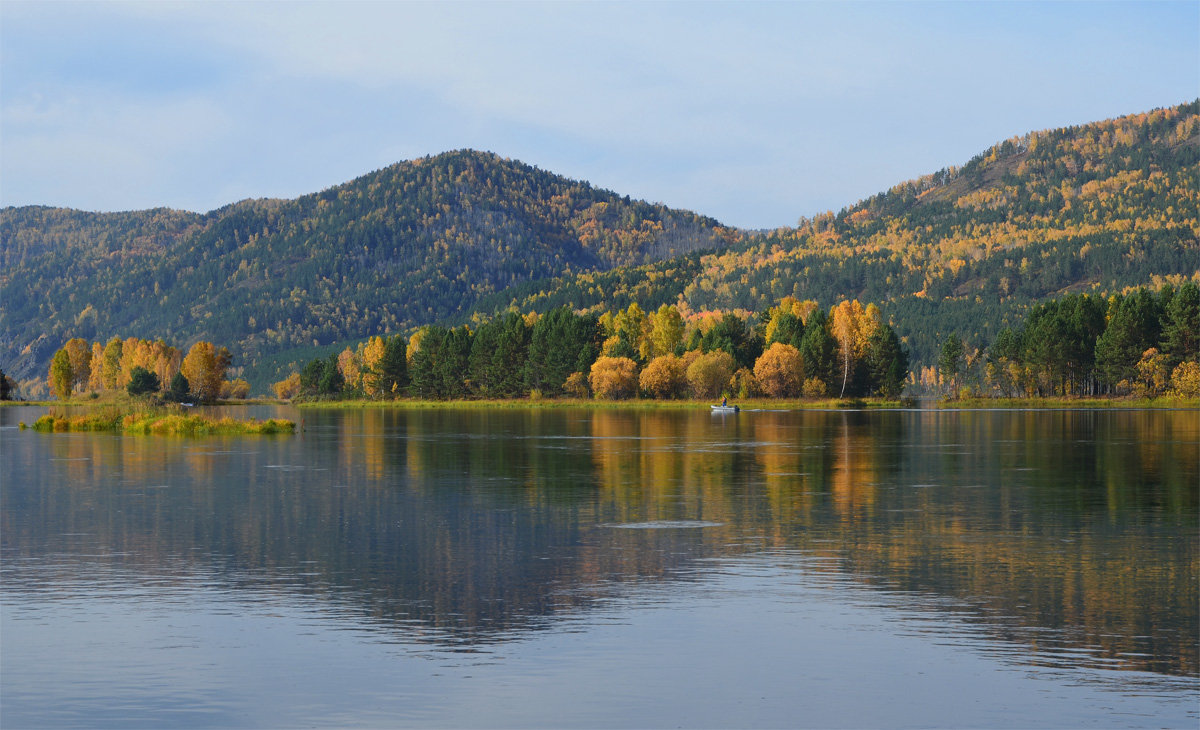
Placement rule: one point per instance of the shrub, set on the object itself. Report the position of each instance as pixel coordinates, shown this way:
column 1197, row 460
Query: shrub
column 780, row 371
column 613, row 378
column 814, row 388
column 663, row 377
column 576, row 385
column 709, row 375
column 1185, row 380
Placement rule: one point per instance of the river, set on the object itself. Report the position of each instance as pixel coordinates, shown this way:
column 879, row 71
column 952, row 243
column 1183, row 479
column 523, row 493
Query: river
column 606, row 568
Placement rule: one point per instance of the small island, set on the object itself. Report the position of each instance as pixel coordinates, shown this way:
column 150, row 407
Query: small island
column 159, row 421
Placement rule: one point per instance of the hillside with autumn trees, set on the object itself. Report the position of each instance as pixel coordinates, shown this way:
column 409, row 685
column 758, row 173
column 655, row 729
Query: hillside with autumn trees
column 968, row 250
column 417, row 242
column 462, row 238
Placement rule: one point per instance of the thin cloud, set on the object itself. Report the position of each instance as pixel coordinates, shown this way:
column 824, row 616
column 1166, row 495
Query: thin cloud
column 752, row 113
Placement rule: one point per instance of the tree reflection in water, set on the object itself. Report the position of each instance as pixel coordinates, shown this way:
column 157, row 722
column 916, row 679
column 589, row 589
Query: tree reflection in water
column 1052, row 529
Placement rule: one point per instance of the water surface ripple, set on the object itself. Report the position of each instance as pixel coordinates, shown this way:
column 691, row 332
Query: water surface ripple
column 563, row 568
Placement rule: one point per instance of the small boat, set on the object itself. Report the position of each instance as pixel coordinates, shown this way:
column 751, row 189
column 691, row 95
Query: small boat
column 725, row 409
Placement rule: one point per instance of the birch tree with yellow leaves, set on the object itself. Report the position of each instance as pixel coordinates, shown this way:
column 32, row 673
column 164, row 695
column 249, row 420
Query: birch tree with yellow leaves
column 852, row 326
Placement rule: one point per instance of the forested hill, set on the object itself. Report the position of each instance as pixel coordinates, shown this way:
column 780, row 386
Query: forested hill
column 1098, row 207
column 415, row 242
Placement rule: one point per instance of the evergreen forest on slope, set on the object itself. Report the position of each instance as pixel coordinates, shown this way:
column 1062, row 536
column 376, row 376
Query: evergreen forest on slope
column 417, row 242
column 1096, row 208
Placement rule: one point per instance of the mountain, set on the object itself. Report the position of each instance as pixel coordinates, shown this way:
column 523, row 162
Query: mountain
column 415, row 242
column 1097, row 207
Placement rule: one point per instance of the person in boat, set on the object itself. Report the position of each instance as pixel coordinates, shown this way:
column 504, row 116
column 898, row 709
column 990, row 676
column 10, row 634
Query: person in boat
column 724, row 401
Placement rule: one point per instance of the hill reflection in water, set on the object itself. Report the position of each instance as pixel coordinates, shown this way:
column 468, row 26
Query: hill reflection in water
column 1068, row 536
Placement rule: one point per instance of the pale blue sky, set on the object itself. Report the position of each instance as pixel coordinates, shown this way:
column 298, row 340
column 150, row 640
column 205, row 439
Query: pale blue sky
column 753, row 113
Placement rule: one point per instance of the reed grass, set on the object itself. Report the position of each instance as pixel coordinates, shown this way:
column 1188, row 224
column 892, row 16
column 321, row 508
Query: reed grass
column 159, row 421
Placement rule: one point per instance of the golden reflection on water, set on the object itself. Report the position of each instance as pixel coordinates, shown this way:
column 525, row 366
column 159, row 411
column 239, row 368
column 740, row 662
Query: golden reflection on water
column 1083, row 523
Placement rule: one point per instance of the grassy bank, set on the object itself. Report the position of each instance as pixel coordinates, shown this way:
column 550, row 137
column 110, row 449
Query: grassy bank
column 765, row 404
column 158, row 421
column 1066, row 402
column 631, row 404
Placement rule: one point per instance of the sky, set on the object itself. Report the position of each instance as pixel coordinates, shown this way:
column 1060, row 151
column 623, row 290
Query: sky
column 753, row 113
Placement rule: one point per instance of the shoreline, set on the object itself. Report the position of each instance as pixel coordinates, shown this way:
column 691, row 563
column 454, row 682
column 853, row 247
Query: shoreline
column 749, row 404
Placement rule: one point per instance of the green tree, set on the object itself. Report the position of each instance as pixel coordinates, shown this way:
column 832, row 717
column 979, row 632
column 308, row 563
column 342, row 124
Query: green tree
column 451, row 363
column 179, row 389
column 1133, row 327
column 1181, row 325
column 1004, row 363
column 142, row 381
column 507, row 366
column 731, row 335
column 7, row 386
column 61, row 378
column 787, row 328
column 332, row 381
column 479, row 362
column 950, row 363
column 424, row 377
column 393, row 368
column 818, row 349
column 887, row 362
column 321, row 377
column 561, row 343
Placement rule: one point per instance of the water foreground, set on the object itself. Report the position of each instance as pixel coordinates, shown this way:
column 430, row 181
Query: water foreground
column 607, row 568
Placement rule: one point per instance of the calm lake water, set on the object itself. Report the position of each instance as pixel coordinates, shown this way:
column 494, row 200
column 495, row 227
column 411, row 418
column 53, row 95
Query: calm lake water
column 563, row 568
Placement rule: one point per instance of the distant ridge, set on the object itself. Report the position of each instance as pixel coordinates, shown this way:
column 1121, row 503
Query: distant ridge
column 1096, row 207
column 415, row 242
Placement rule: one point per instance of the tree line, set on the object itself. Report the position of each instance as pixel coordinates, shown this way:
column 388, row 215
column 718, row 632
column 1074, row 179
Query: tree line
column 142, row 367
column 795, row 349
column 1139, row 342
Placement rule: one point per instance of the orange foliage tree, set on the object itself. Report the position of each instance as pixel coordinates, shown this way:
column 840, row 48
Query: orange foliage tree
column 780, row 371
column 663, row 377
column 613, row 378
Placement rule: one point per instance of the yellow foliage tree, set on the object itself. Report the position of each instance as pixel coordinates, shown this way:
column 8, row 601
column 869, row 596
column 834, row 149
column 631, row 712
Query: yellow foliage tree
column 814, row 388
column 348, row 366
column 663, row 377
column 236, row 389
column 780, row 371
column 1153, row 373
column 709, row 374
column 204, row 370
column 129, row 360
column 112, row 363
column 631, row 325
column 1185, row 380
column 666, row 332
column 96, row 378
column 371, row 358
column 163, row 360
column 852, row 326
column 613, row 378
column 287, row 388
column 80, row 352
column 576, row 385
